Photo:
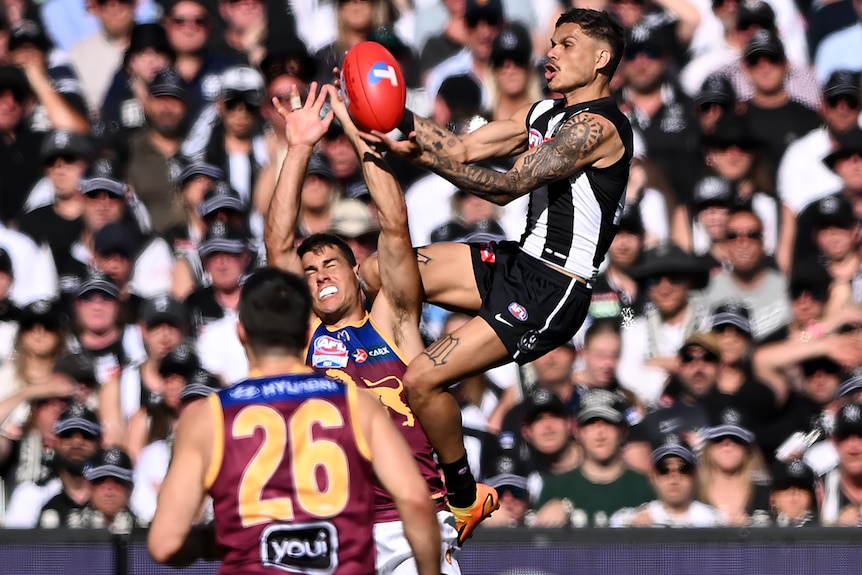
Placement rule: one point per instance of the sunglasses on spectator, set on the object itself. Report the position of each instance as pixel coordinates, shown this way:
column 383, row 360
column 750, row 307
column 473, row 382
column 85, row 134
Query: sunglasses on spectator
column 834, row 101
column 18, row 95
column 709, row 106
column 473, row 21
column 69, row 434
column 663, row 468
column 725, row 146
column 231, row 105
column 692, row 355
column 517, row 492
column 106, row 2
column 828, row 368
column 651, row 52
column 66, row 159
column 755, row 59
column 198, row 22
column 101, row 480
column 101, row 194
column 48, row 325
column 732, row 236
column 675, row 279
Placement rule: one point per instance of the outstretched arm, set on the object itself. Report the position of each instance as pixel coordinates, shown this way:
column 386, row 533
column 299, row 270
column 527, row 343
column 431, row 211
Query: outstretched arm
column 304, row 128
column 399, row 304
column 584, row 140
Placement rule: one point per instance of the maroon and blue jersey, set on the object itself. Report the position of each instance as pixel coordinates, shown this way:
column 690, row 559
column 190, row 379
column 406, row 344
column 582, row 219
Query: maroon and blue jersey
column 358, row 354
column 291, row 478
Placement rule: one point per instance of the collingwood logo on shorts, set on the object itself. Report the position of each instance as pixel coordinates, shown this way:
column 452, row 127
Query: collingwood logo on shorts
column 308, row 548
column 528, row 341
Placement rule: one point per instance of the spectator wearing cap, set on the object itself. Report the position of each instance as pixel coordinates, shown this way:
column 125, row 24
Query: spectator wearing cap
column 547, row 432
column 97, row 57
column 484, row 20
column 733, row 152
column 845, row 160
column 192, row 185
column 835, row 233
column 802, row 176
column 842, row 487
column 355, row 223
column 715, row 98
column 515, row 80
column 590, row 494
column 110, row 475
column 793, row 495
column 733, row 476
column 750, row 280
column 47, row 504
column 667, row 275
column 773, row 114
column 190, row 25
column 663, row 114
column 683, row 409
column 163, row 324
column 66, row 156
column 97, row 327
column 700, row 227
column 39, row 341
column 153, row 460
column 225, row 255
column 508, row 477
column 673, row 476
column 737, row 22
column 355, row 22
column 154, row 151
column 229, row 133
column 615, row 293
column 840, row 49
column 148, row 52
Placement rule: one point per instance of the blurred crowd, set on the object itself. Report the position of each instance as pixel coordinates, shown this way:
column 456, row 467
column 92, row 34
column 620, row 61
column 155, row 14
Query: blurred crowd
column 716, row 381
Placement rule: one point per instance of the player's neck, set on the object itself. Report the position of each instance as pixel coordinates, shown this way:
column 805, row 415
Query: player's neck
column 587, row 93
column 266, row 366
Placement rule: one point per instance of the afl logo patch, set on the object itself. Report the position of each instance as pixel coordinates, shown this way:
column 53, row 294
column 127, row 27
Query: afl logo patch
column 518, row 311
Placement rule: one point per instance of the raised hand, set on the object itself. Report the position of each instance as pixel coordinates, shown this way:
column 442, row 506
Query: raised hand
column 303, row 125
column 408, row 148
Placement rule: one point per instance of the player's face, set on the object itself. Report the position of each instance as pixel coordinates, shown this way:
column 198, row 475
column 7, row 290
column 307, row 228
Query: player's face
column 572, row 59
column 334, row 284
column 673, row 480
column 601, row 440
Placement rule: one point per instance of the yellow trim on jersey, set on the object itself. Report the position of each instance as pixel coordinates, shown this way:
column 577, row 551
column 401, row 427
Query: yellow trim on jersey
column 389, row 341
column 353, row 408
column 217, row 454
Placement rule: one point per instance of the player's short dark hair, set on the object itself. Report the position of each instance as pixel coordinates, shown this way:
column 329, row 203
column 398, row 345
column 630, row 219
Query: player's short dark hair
column 274, row 308
column 602, row 326
column 599, row 25
column 316, row 242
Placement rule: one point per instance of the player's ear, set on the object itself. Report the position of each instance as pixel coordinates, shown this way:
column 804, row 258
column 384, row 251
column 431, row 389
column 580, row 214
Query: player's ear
column 240, row 332
column 603, row 58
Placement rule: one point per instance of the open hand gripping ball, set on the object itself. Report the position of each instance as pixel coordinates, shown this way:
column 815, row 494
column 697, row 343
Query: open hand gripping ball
column 373, row 87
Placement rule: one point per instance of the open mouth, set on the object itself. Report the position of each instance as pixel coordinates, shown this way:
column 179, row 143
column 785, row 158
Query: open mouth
column 550, row 71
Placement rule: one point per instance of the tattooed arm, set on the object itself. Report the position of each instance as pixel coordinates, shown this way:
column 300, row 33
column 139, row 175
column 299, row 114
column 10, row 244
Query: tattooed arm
column 586, row 139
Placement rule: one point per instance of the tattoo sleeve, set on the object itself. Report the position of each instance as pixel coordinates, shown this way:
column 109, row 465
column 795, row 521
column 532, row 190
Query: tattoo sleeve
column 554, row 160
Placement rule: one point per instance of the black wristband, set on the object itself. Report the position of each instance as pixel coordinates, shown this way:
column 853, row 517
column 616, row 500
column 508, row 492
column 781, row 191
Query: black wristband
column 408, row 123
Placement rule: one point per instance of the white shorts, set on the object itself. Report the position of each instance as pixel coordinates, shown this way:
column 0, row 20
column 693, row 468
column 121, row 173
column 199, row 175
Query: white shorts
column 394, row 556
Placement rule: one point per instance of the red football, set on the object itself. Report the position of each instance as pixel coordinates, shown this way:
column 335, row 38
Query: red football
column 373, row 87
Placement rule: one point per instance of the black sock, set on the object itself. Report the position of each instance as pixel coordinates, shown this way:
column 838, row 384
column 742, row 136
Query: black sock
column 460, row 484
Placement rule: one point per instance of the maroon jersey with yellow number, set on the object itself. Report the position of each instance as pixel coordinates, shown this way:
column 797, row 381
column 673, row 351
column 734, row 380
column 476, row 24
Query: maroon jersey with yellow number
column 291, row 478
column 359, row 355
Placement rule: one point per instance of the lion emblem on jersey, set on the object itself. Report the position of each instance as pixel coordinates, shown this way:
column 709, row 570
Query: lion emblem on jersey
column 390, row 397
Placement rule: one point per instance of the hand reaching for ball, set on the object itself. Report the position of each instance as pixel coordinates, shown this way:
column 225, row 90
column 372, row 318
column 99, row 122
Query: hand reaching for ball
column 303, row 125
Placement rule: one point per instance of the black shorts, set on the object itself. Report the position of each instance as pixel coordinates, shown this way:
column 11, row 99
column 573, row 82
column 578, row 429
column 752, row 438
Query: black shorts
column 531, row 307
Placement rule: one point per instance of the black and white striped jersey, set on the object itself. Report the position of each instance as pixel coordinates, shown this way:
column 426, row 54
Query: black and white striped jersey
column 571, row 222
